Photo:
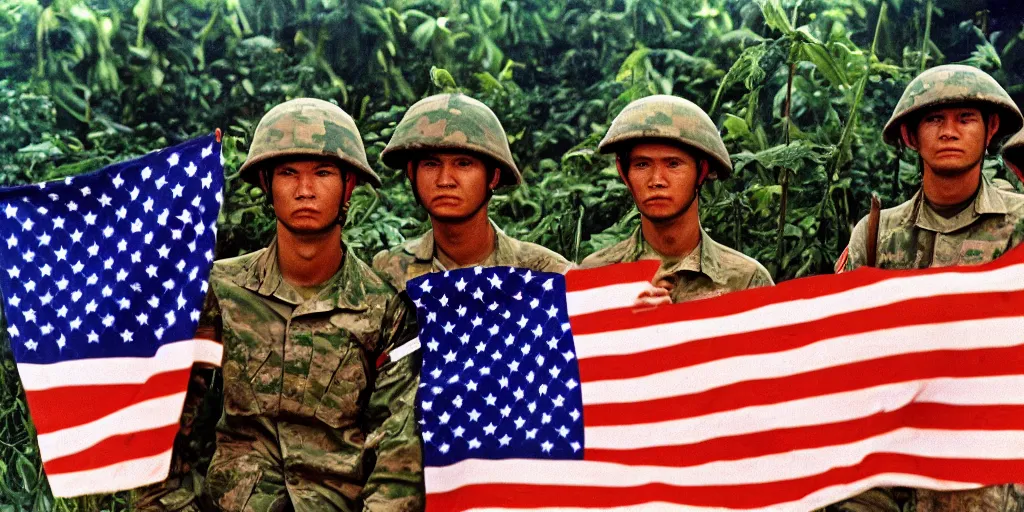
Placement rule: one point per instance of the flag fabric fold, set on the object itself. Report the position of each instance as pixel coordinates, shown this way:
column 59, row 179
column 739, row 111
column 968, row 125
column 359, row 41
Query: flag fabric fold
column 545, row 392
column 103, row 278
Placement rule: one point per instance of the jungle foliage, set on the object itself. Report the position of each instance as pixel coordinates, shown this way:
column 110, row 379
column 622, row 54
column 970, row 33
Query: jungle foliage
column 799, row 88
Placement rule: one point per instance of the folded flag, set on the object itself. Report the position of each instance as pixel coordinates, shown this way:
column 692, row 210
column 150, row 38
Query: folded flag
column 103, row 278
column 546, row 392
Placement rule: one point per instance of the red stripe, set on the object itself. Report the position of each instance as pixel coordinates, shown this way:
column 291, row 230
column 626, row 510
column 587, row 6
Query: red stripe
column 914, row 415
column 838, row 379
column 746, row 300
column 577, row 280
column 747, row 496
column 60, row 408
column 923, row 311
column 116, row 449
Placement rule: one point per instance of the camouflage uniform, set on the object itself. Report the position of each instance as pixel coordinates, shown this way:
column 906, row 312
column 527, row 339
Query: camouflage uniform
column 460, row 124
column 416, row 257
column 310, row 422
column 913, row 235
column 711, row 269
column 1013, row 154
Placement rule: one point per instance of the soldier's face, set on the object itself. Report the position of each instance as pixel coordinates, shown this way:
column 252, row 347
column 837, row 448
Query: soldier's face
column 308, row 194
column 662, row 179
column 952, row 140
column 452, row 186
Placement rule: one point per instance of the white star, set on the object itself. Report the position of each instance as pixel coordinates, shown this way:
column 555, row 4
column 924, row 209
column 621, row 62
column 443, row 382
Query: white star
column 13, row 331
column 90, row 218
column 520, row 422
column 75, row 295
column 61, row 254
column 137, row 226
column 105, row 200
column 505, row 411
column 473, row 415
column 93, row 337
column 562, row 431
column 474, row 443
column 191, row 169
column 513, row 367
column 118, row 181
column 531, row 434
column 575, row 446
column 44, row 239
column 431, row 317
column 147, row 206
column 444, row 418
column 12, row 242
column 177, row 190
column 480, row 347
column 575, row 414
column 72, row 206
column 493, row 330
column 124, row 303
column 443, row 448
column 525, row 349
column 534, row 303
column 173, row 159
column 93, row 279
column 181, row 301
column 27, row 225
column 478, row 294
column 458, row 431
column 180, row 266
column 29, row 286
column 42, row 210
column 107, row 291
column 169, row 284
column 46, row 299
column 28, row 256
column 522, row 322
column 14, row 272
column 537, row 331
column 491, row 399
column 461, row 284
column 558, row 401
column 76, row 323
column 61, row 341
column 471, row 385
column 11, row 211
column 126, row 336
column 185, row 217
column 91, row 306
column 504, row 440
column 427, row 436
column 528, row 276
column 62, row 284
column 449, row 357
column 15, row 301
column 31, row 345
column 207, row 151
column 108, row 232
column 490, row 429
column 58, row 223
column 495, row 282
column 137, row 257
column 464, row 339
column 134, row 193
column 461, row 311
column 509, row 340
column 159, row 333
column 153, row 301
column 93, row 249
column 160, row 182
column 432, row 345
column 546, row 446
column 164, row 251
column 477, row 321
column 496, row 355
column 194, row 315
column 552, row 312
column 76, row 237
column 121, row 213
column 448, row 328
column 545, row 418
column 207, row 181
column 151, row 270
column 30, row 315
column 425, row 286
column 169, row 316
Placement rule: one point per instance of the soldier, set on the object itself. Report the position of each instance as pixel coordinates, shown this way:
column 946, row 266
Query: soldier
column 665, row 147
column 455, row 153
column 950, row 115
column 314, row 417
column 1013, row 154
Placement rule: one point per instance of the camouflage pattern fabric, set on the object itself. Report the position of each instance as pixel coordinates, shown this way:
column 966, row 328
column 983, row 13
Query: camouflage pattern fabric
column 451, row 122
column 310, row 423
column 307, row 127
column 953, row 84
column 711, row 270
column 669, row 118
column 417, row 256
column 910, row 236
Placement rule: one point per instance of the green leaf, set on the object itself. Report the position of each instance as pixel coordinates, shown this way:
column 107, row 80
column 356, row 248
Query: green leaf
column 775, row 17
column 818, row 55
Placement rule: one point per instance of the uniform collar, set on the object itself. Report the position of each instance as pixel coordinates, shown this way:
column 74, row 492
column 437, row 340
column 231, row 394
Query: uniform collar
column 422, row 248
column 343, row 290
column 708, row 262
column 987, row 201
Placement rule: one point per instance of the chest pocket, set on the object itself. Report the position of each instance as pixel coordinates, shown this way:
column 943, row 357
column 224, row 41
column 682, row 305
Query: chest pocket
column 339, row 366
column 976, row 252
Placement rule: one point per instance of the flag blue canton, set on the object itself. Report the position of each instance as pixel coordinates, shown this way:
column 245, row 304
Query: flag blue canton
column 112, row 263
column 499, row 377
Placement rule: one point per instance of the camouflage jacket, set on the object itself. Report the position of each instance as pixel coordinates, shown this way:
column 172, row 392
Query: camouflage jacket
column 310, row 421
column 416, row 257
column 912, row 235
column 712, row 269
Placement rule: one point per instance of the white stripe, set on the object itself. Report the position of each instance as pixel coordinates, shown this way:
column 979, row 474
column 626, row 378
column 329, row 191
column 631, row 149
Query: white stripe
column 120, row 370
column 605, row 297
column 118, row 477
column 146, row 415
column 818, row 410
column 642, row 339
column 401, row 352
column 813, row 501
column 967, row 444
column 830, row 353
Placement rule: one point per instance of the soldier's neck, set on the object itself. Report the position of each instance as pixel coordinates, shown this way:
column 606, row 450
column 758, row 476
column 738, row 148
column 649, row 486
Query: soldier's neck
column 465, row 241
column 673, row 238
column 944, row 190
column 308, row 259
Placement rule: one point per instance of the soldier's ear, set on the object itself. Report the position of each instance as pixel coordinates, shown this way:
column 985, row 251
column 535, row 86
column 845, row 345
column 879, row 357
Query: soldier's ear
column 909, row 139
column 410, row 170
column 495, row 178
column 703, row 168
column 618, row 166
column 351, row 182
column 993, row 128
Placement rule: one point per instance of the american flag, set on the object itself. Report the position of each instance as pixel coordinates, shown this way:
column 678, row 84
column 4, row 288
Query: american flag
column 546, row 392
column 103, row 278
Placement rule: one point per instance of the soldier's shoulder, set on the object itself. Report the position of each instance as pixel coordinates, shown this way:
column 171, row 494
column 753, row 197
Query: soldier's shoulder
column 232, row 267
column 371, row 280
column 615, row 253
column 1013, row 200
column 737, row 264
column 537, row 257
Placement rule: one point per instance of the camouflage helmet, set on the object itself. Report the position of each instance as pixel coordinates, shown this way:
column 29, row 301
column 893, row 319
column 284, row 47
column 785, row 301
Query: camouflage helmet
column 1013, row 153
column 307, row 127
column 953, row 84
column 673, row 119
column 451, row 122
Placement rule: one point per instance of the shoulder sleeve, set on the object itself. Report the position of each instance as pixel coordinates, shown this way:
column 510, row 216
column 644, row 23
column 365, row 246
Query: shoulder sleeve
column 760, row 278
column 395, row 482
column 855, row 253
